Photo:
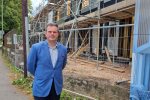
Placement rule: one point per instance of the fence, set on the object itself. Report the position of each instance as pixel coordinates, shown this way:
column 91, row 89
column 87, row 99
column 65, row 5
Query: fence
column 113, row 56
column 112, row 52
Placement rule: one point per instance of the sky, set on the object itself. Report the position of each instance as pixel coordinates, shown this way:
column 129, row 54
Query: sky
column 35, row 3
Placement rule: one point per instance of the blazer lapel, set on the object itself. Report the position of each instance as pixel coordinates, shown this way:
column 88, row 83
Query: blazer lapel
column 47, row 53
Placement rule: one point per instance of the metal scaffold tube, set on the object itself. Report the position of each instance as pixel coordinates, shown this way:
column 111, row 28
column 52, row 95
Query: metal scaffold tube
column 98, row 27
column 98, row 32
column 79, row 94
column 114, row 47
column 72, row 24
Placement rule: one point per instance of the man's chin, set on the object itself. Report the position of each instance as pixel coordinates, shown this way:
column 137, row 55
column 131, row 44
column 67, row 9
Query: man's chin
column 52, row 40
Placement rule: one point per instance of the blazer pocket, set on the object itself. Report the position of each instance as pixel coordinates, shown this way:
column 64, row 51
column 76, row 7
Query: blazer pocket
column 61, row 59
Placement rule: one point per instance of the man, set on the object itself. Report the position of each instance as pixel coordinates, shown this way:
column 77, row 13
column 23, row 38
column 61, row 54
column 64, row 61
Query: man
column 46, row 61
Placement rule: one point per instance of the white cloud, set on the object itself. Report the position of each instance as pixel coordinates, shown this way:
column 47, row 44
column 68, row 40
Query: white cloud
column 35, row 4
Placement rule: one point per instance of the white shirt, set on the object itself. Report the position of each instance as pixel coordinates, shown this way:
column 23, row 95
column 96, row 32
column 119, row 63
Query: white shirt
column 53, row 54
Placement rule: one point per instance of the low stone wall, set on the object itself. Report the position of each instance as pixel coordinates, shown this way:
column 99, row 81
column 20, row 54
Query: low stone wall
column 10, row 55
column 89, row 86
column 92, row 86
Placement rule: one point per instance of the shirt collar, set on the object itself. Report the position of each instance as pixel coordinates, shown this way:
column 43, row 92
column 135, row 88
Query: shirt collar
column 54, row 47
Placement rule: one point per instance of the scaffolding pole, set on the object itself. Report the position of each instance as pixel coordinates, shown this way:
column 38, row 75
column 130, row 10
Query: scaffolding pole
column 72, row 24
column 98, row 32
column 98, row 27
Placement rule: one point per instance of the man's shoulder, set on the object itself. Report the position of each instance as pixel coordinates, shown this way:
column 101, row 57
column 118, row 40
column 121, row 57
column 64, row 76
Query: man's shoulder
column 62, row 46
column 38, row 44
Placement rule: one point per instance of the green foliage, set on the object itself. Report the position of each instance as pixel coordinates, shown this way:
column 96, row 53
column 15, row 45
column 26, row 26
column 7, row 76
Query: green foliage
column 63, row 95
column 24, row 83
column 12, row 15
column 14, row 70
column 0, row 42
column 3, row 54
column 97, row 97
column 68, row 96
column 78, row 98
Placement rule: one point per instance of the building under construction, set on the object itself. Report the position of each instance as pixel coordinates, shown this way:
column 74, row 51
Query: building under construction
column 98, row 32
column 78, row 21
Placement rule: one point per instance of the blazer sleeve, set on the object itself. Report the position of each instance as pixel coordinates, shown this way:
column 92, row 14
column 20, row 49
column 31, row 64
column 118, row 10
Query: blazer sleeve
column 65, row 59
column 31, row 61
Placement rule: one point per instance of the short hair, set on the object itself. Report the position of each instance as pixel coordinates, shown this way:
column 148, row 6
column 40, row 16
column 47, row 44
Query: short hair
column 52, row 24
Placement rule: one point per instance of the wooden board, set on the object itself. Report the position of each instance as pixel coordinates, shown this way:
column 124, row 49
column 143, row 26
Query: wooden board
column 75, row 52
column 73, row 41
column 78, row 49
column 83, row 49
column 112, row 68
column 90, row 62
column 132, row 35
column 122, row 58
column 107, row 53
column 125, row 43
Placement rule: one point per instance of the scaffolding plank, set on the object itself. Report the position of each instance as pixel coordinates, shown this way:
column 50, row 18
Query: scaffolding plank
column 107, row 53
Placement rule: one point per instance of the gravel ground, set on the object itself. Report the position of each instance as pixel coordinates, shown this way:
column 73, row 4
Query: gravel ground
column 90, row 70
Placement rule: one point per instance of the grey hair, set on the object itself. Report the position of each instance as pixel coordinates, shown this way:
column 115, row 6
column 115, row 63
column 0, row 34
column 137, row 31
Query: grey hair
column 52, row 24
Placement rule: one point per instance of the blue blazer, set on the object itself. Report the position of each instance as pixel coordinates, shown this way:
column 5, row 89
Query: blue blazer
column 40, row 65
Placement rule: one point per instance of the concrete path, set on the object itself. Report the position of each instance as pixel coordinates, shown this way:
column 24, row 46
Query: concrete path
column 7, row 91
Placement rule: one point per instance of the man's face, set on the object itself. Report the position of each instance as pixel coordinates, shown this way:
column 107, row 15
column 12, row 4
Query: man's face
column 52, row 33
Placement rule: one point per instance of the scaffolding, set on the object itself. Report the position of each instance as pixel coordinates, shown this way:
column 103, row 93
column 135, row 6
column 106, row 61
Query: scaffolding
column 75, row 15
column 98, row 31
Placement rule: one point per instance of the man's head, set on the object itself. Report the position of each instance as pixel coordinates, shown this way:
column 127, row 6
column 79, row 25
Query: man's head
column 52, row 32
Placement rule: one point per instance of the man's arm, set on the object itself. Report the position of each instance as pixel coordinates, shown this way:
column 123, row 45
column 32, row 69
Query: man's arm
column 31, row 61
column 65, row 59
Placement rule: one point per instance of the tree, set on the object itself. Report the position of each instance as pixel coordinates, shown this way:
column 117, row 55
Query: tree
column 12, row 15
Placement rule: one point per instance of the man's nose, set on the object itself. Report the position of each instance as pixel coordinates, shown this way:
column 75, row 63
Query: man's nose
column 52, row 33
